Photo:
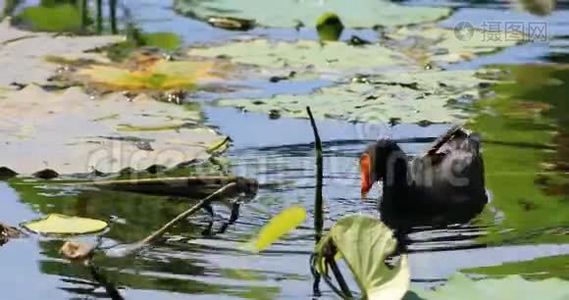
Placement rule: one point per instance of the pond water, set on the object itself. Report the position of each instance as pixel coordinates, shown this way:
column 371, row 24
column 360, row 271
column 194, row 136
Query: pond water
column 523, row 230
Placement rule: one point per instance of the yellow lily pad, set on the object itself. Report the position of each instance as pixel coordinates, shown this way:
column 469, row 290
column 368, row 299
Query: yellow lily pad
column 62, row 224
column 150, row 73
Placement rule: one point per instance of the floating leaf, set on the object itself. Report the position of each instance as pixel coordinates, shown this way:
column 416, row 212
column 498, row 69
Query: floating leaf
column 69, row 132
column 148, row 73
column 281, row 224
column 365, row 243
column 23, row 61
column 511, row 287
column 410, row 97
column 306, row 56
column 287, row 13
column 61, row 224
column 432, row 44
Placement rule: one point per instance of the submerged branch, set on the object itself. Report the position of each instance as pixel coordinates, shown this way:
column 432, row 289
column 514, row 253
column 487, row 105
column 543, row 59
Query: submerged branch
column 124, row 250
column 206, row 201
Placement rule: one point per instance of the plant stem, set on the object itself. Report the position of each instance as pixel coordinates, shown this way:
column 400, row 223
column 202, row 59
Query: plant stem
column 343, row 285
column 318, row 212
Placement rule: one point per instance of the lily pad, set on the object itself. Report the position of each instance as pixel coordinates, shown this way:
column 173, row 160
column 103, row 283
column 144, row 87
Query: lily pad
column 306, row 56
column 278, row 226
column 364, row 243
column 511, row 287
column 61, row 224
column 410, row 97
column 23, row 61
column 429, row 43
column 287, row 13
column 70, row 132
column 149, row 73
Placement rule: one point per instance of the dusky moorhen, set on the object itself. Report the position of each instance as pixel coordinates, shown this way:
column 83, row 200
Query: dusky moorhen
column 443, row 185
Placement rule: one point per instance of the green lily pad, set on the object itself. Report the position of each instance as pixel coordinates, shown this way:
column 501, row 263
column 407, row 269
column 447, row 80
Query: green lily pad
column 287, row 13
column 410, row 97
column 279, row 225
column 511, row 287
column 364, row 243
column 61, row 224
column 306, row 56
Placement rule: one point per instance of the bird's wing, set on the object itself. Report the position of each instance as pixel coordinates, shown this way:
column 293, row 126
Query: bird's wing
column 453, row 139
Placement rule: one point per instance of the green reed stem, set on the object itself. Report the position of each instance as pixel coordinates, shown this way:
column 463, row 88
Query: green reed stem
column 318, row 211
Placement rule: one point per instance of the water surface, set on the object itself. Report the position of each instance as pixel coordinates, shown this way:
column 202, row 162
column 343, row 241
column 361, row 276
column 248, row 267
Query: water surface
column 526, row 144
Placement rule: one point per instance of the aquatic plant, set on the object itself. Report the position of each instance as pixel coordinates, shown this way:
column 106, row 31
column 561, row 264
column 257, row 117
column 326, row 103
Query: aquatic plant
column 364, row 243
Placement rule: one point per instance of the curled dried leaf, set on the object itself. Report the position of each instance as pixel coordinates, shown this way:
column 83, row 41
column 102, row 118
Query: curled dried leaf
column 77, row 251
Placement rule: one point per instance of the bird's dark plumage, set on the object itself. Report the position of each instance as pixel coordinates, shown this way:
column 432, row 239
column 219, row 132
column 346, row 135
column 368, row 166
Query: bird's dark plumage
column 443, row 185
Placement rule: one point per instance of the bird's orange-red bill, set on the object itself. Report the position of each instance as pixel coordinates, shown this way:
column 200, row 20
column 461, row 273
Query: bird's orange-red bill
column 365, row 167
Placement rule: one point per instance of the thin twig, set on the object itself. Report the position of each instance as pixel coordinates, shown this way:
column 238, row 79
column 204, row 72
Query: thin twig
column 124, row 250
column 188, row 212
